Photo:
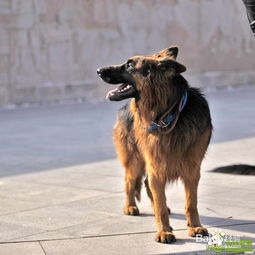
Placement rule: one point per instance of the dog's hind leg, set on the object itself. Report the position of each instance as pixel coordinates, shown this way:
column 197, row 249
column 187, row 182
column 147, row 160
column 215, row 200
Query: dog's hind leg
column 190, row 175
column 134, row 170
column 130, row 158
column 146, row 183
column 191, row 184
column 134, row 166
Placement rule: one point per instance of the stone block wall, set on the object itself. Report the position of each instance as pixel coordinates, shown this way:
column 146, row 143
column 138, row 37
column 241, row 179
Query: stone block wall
column 50, row 49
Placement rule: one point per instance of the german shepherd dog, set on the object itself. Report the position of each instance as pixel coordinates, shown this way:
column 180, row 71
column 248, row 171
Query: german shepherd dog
column 162, row 133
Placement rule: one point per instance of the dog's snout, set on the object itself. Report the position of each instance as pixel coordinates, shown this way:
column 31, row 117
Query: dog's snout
column 111, row 74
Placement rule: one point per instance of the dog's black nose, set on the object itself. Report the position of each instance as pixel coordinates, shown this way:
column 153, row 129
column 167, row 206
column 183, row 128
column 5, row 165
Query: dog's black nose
column 99, row 70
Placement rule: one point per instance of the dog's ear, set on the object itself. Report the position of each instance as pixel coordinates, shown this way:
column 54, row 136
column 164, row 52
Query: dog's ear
column 170, row 52
column 171, row 65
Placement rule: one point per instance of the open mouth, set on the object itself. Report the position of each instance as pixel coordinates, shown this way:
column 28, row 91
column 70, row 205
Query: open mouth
column 123, row 91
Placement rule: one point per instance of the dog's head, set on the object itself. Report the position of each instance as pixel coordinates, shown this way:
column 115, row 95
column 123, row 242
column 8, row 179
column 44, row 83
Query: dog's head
column 132, row 74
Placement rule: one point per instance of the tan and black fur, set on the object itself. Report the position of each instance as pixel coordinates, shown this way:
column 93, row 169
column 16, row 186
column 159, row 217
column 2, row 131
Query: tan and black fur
column 155, row 84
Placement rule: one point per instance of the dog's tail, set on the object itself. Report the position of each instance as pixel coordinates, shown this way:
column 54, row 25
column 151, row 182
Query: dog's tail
column 138, row 187
column 146, row 183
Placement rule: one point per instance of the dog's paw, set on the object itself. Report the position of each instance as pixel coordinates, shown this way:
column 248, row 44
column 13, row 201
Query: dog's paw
column 131, row 210
column 165, row 237
column 193, row 231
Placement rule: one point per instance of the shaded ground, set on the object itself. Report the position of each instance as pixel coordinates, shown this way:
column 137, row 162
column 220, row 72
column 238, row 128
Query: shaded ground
column 61, row 186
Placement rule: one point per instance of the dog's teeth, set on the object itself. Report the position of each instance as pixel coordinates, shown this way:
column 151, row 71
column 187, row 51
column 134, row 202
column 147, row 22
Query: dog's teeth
column 110, row 93
column 117, row 90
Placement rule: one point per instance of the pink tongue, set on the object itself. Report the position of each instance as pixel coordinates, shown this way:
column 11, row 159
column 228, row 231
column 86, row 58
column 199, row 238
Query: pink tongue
column 111, row 93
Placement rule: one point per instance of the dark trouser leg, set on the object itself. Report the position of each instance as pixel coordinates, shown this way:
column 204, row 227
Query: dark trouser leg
column 250, row 7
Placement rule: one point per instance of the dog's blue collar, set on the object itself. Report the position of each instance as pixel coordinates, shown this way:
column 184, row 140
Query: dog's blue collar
column 170, row 117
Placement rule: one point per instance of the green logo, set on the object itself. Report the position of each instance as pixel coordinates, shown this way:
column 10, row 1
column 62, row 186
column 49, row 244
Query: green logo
column 219, row 242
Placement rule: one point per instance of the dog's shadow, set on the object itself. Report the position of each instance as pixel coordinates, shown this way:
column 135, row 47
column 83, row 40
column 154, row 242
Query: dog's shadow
column 146, row 215
column 212, row 222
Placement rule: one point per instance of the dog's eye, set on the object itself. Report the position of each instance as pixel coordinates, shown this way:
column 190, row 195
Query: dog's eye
column 130, row 66
column 163, row 68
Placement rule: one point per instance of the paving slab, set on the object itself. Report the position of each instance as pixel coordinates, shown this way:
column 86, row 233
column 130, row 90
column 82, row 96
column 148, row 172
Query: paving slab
column 22, row 249
column 37, row 195
column 11, row 231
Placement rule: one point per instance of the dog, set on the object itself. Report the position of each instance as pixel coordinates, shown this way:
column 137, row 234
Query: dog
column 162, row 133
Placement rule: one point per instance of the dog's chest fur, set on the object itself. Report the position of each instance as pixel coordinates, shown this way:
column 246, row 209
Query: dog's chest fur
column 166, row 151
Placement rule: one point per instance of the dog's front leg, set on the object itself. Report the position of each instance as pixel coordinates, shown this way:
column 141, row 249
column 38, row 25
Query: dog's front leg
column 157, row 186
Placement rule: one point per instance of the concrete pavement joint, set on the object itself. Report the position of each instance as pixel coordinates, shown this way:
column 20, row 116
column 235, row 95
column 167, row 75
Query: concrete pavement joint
column 113, row 235
column 42, row 247
column 209, row 209
column 54, row 204
column 28, row 210
column 71, row 186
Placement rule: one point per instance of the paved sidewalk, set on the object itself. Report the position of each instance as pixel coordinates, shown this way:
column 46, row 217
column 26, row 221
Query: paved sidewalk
column 61, row 188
